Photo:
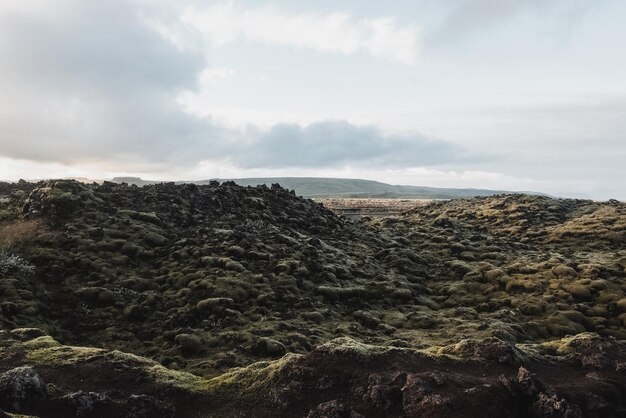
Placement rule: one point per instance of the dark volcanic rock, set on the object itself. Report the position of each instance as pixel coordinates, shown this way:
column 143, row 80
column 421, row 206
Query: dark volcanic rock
column 21, row 386
column 341, row 378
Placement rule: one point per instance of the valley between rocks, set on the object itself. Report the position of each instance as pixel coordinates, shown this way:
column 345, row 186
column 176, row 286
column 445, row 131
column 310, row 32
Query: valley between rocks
column 251, row 301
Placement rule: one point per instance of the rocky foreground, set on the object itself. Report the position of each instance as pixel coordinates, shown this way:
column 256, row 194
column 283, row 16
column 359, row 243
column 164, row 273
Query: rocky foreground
column 220, row 300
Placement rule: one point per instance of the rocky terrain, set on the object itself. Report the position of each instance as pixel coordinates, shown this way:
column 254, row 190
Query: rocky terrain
column 222, row 300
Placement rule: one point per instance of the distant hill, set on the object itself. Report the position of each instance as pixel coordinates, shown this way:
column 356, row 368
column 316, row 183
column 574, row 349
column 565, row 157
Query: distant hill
column 316, row 187
column 332, row 187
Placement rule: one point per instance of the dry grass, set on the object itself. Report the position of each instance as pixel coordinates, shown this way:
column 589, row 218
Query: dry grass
column 371, row 206
column 19, row 231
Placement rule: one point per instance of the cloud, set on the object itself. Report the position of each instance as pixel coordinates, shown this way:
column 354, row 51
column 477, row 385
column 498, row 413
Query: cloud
column 337, row 143
column 214, row 75
column 90, row 81
column 94, row 82
column 473, row 14
column 336, row 32
column 467, row 17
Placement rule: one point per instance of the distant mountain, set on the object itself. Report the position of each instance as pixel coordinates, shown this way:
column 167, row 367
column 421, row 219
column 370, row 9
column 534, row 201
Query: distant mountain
column 138, row 181
column 316, row 187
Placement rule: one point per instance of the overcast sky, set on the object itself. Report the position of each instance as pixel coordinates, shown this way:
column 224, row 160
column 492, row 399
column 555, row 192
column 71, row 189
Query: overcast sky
column 507, row 94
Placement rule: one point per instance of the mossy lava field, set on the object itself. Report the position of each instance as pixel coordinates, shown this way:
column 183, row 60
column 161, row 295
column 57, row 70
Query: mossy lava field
column 225, row 301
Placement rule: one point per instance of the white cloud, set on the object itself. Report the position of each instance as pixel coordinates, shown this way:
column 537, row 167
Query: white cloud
column 88, row 81
column 210, row 76
column 336, row 32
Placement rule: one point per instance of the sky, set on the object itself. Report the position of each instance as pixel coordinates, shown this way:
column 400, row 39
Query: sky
column 502, row 94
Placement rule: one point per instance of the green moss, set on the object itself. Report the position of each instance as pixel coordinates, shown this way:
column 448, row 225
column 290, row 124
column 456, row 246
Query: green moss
column 223, row 233
column 179, row 380
column 217, row 261
column 578, row 290
column 62, row 355
column 564, row 323
column 127, row 360
column 565, row 346
column 153, row 239
column 215, row 304
column 246, row 380
column 531, row 309
column 189, row 343
column 149, row 217
column 7, row 215
column 234, row 266
column 40, row 343
column 314, row 316
column 348, row 345
column 344, row 292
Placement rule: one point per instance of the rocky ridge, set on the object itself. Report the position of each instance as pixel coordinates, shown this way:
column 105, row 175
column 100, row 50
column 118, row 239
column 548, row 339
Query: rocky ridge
column 572, row 377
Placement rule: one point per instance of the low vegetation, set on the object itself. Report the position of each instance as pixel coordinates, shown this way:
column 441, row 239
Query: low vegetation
column 197, row 288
